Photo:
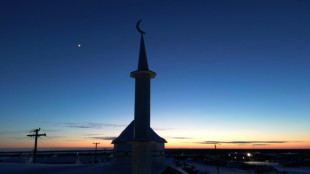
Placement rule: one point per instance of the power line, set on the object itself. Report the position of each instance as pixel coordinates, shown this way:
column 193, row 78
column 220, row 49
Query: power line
column 36, row 135
column 45, row 142
column 51, row 142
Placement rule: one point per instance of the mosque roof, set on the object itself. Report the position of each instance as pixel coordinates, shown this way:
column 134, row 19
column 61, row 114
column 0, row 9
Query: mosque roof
column 127, row 135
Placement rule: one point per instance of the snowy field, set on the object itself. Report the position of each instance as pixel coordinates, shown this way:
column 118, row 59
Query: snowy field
column 24, row 168
column 108, row 168
column 281, row 168
column 101, row 168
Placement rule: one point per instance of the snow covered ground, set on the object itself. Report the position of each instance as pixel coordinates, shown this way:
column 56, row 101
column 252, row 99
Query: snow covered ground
column 101, row 168
column 208, row 169
column 24, row 168
column 302, row 170
column 108, row 168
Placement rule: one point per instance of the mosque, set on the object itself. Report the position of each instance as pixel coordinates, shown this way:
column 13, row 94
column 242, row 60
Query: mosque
column 138, row 146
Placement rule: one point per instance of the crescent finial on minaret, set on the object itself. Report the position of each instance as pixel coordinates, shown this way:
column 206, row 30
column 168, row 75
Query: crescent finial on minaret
column 138, row 28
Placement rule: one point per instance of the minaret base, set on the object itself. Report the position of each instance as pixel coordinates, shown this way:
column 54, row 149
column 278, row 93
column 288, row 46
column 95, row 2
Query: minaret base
column 141, row 158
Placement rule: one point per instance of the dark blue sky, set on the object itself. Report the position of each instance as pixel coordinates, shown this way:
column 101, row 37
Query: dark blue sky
column 240, row 62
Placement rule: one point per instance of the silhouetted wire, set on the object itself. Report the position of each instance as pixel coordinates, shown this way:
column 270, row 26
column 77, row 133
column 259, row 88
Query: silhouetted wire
column 51, row 141
column 32, row 130
column 43, row 143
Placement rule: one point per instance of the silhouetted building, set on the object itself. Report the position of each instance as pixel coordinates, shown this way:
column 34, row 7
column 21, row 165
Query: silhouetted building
column 138, row 145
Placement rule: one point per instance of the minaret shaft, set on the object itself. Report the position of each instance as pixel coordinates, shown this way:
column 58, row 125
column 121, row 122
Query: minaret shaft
column 142, row 107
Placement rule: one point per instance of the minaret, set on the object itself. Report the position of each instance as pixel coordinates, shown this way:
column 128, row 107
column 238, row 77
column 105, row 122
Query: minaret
column 141, row 149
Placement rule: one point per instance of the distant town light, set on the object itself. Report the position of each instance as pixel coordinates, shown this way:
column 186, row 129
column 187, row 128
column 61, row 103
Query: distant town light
column 248, row 154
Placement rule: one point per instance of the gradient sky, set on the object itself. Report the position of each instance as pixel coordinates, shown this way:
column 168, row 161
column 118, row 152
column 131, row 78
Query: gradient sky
column 234, row 73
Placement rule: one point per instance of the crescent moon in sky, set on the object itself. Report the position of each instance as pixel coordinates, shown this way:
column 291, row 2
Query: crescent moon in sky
column 138, row 28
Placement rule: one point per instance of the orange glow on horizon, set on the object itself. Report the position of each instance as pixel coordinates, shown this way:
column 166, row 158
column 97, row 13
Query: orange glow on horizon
column 172, row 145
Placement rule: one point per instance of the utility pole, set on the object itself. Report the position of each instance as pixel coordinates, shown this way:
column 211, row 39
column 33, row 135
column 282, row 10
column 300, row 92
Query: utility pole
column 96, row 151
column 217, row 161
column 36, row 135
